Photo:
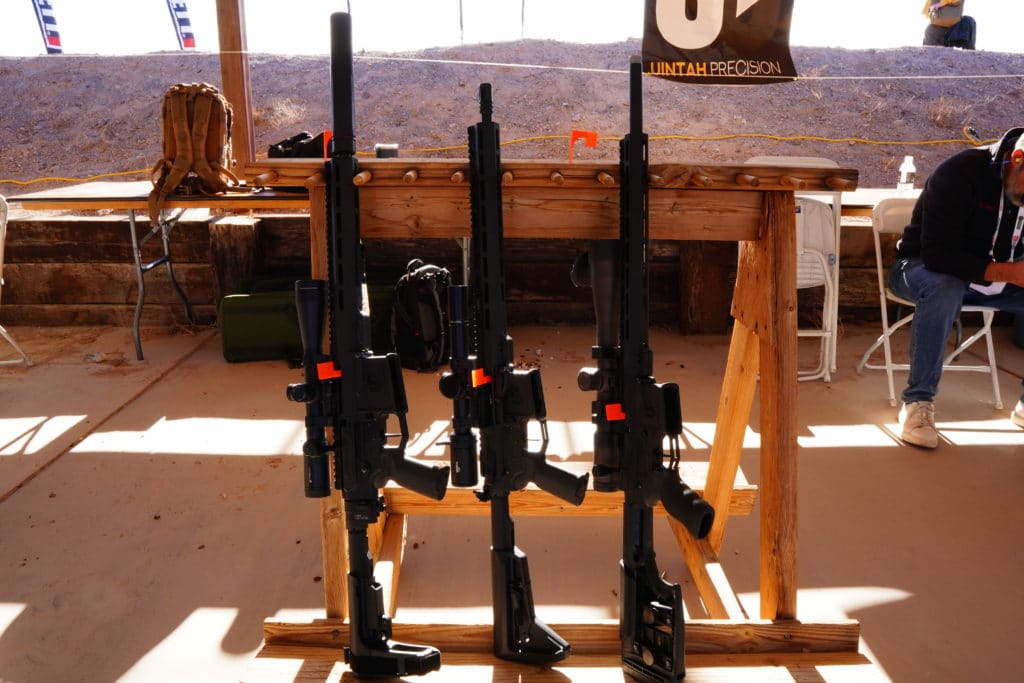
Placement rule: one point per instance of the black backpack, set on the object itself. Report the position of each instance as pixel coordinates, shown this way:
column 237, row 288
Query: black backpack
column 300, row 145
column 419, row 317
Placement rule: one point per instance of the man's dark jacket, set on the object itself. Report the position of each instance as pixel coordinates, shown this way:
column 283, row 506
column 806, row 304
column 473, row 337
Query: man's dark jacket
column 956, row 215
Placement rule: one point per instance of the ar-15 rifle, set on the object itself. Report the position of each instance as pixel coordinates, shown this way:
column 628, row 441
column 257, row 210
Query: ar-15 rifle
column 633, row 415
column 488, row 393
column 354, row 392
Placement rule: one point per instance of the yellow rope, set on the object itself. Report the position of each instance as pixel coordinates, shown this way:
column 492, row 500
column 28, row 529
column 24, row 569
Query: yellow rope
column 968, row 137
column 731, row 136
column 75, row 180
column 817, row 138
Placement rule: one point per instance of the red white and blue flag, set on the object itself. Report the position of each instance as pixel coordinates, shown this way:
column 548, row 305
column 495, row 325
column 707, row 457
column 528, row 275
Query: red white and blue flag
column 182, row 24
column 48, row 26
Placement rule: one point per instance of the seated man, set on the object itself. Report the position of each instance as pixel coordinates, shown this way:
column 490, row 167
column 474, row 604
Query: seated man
column 962, row 246
column 941, row 21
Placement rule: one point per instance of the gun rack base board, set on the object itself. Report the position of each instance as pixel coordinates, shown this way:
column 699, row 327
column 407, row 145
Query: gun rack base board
column 818, row 653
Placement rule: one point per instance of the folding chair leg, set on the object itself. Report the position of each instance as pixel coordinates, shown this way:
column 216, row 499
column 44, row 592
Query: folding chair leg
column 988, row 316
column 24, row 360
column 887, row 350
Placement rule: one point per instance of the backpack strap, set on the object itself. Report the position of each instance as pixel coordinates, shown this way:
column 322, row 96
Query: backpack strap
column 216, row 177
column 168, row 173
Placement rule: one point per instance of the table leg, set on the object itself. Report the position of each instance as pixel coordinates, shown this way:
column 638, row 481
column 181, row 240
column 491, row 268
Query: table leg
column 164, row 228
column 139, row 273
column 165, row 234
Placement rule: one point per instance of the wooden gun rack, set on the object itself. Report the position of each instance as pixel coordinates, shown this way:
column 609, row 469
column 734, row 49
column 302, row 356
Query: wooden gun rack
column 751, row 205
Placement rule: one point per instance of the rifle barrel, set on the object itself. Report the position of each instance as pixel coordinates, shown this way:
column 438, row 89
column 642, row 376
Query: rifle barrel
column 342, row 86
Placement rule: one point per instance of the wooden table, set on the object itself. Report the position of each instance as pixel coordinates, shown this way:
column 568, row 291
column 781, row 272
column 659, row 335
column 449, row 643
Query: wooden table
column 752, row 205
column 134, row 196
column 861, row 202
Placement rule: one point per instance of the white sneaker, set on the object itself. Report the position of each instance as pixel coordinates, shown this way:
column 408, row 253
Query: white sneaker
column 917, row 423
column 1017, row 416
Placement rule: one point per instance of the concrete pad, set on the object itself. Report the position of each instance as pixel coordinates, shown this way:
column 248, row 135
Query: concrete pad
column 80, row 377
column 173, row 521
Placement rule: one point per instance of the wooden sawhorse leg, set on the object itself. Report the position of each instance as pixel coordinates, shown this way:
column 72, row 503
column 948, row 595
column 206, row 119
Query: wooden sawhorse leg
column 763, row 345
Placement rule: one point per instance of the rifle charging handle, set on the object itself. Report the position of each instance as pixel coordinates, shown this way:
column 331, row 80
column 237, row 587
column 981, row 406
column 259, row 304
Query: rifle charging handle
column 450, row 385
column 590, row 379
column 301, row 393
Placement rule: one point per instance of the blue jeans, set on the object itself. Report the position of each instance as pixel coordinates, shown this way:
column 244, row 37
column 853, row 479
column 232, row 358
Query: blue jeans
column 938, row 298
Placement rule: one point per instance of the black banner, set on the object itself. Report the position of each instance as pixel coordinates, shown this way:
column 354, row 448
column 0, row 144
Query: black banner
column 721, row 42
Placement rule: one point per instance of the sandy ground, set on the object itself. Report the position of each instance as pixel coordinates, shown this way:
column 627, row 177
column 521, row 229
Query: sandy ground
column 151, row 513
column 79, row 116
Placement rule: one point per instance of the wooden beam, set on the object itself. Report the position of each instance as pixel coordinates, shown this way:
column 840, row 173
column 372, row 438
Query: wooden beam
column 738, row 498
column 533, row 502
column 388, row 564
column 295, row 664
column 236, row 83
column 335, row 555
column 709, row 636
column 738, row 387
column 333, row 535
column 714, row 588
column 285, row 664
column 583, row 205
column 778, row 371
column 545, row 173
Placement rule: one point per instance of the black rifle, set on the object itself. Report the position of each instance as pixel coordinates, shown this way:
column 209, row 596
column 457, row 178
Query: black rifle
column 633, row 415
column 354, row 392
column 490, row 394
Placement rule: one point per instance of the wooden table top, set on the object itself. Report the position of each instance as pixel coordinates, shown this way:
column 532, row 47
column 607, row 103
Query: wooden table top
column 134, row 195
column 868, row 197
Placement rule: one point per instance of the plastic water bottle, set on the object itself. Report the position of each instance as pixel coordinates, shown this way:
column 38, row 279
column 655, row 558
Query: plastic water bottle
column 908, row 174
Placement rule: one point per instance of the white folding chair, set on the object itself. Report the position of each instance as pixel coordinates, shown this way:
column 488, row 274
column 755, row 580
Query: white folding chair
column 817, row 237
column 889, row 217
column 24, row 359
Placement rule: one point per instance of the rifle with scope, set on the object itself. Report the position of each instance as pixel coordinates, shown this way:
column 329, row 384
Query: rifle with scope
column 353, row 392
column 488, row 393
column 632, row 416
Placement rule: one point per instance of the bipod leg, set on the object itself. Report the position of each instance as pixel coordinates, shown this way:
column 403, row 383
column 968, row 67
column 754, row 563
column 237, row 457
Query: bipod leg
column 518, row 635
column 650, row 608
column 372, row 653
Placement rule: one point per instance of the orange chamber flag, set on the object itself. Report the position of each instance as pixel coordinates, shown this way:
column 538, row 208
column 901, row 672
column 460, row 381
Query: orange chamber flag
column 730, row 42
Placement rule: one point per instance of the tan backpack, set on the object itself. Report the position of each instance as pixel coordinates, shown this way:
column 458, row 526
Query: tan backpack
column 197, row 145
